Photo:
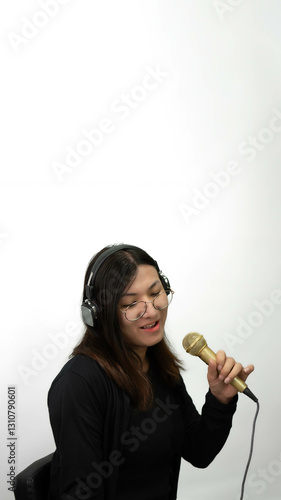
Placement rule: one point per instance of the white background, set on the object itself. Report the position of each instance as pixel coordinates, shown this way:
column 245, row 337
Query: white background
column 148, row 183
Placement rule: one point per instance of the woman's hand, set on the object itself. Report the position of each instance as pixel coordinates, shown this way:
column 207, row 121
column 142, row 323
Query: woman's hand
column 221, row 372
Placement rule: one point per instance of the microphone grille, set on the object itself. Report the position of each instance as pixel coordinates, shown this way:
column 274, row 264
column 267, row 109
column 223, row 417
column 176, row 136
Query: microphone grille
column 193, row 343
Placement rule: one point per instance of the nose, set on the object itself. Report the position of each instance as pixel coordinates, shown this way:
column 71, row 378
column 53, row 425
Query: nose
column 150, row 310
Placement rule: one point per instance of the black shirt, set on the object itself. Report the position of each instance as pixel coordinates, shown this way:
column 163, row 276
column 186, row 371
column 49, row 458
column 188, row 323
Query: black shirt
column 92, row 419
column 152, row 442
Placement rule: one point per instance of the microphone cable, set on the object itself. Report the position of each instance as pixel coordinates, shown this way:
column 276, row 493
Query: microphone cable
column 251, row 450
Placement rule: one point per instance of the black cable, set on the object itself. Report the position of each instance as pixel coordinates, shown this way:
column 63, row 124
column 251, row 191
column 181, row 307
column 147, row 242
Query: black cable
column 251, row 451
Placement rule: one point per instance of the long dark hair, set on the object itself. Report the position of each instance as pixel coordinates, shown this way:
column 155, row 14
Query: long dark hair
column 106, row 345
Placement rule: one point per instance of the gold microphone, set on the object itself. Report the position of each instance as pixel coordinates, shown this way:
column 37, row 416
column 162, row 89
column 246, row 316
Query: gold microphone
column 196, row 345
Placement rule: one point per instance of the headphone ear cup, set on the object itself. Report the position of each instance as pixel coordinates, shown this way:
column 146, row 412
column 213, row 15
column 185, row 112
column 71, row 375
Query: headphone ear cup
column 90, row 313
column 164, row 280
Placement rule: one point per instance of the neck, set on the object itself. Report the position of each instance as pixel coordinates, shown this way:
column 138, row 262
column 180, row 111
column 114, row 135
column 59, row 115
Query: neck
column 145, row 365
column 142, row 353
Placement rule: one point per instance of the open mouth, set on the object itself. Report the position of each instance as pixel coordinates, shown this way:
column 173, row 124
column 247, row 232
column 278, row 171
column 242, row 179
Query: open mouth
column 151, row 326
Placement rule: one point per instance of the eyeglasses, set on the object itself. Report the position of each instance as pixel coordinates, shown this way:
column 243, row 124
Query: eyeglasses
column 136, row 310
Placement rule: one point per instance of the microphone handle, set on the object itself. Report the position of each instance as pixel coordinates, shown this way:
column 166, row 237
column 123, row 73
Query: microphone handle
column 206, row 354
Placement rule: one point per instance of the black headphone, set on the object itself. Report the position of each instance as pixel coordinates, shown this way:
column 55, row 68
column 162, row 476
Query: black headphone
column 90, row 309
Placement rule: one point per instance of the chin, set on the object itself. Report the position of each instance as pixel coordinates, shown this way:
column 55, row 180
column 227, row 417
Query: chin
column 155, row 340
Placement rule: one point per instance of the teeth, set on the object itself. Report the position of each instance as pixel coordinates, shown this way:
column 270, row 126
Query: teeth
column 150, row 326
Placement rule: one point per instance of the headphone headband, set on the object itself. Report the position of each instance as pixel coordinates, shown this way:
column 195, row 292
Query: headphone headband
column 89, row 288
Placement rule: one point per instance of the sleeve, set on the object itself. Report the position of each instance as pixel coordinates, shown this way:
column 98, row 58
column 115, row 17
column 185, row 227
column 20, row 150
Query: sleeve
column 206, row 434
column 76, row 415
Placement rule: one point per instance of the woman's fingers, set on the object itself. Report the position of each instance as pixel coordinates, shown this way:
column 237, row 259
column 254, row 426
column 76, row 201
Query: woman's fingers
column 228, row 368
column 221, row 372
column 212, row 371
column 246, row 372
column 221, row 357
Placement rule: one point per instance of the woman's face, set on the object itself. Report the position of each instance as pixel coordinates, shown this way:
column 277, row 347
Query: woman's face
column 149, row 329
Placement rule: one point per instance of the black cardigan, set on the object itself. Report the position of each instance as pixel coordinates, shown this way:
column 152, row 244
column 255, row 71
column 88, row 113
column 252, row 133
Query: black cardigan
column 89, row 414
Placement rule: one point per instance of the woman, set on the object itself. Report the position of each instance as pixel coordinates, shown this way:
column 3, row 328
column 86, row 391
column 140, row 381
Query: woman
column 120, row 413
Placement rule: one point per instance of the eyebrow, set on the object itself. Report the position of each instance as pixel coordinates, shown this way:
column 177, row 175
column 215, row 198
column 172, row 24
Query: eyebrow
column 151, row 286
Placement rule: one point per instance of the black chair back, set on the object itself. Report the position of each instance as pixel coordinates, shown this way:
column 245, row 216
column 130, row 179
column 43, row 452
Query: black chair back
column 33, row 482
